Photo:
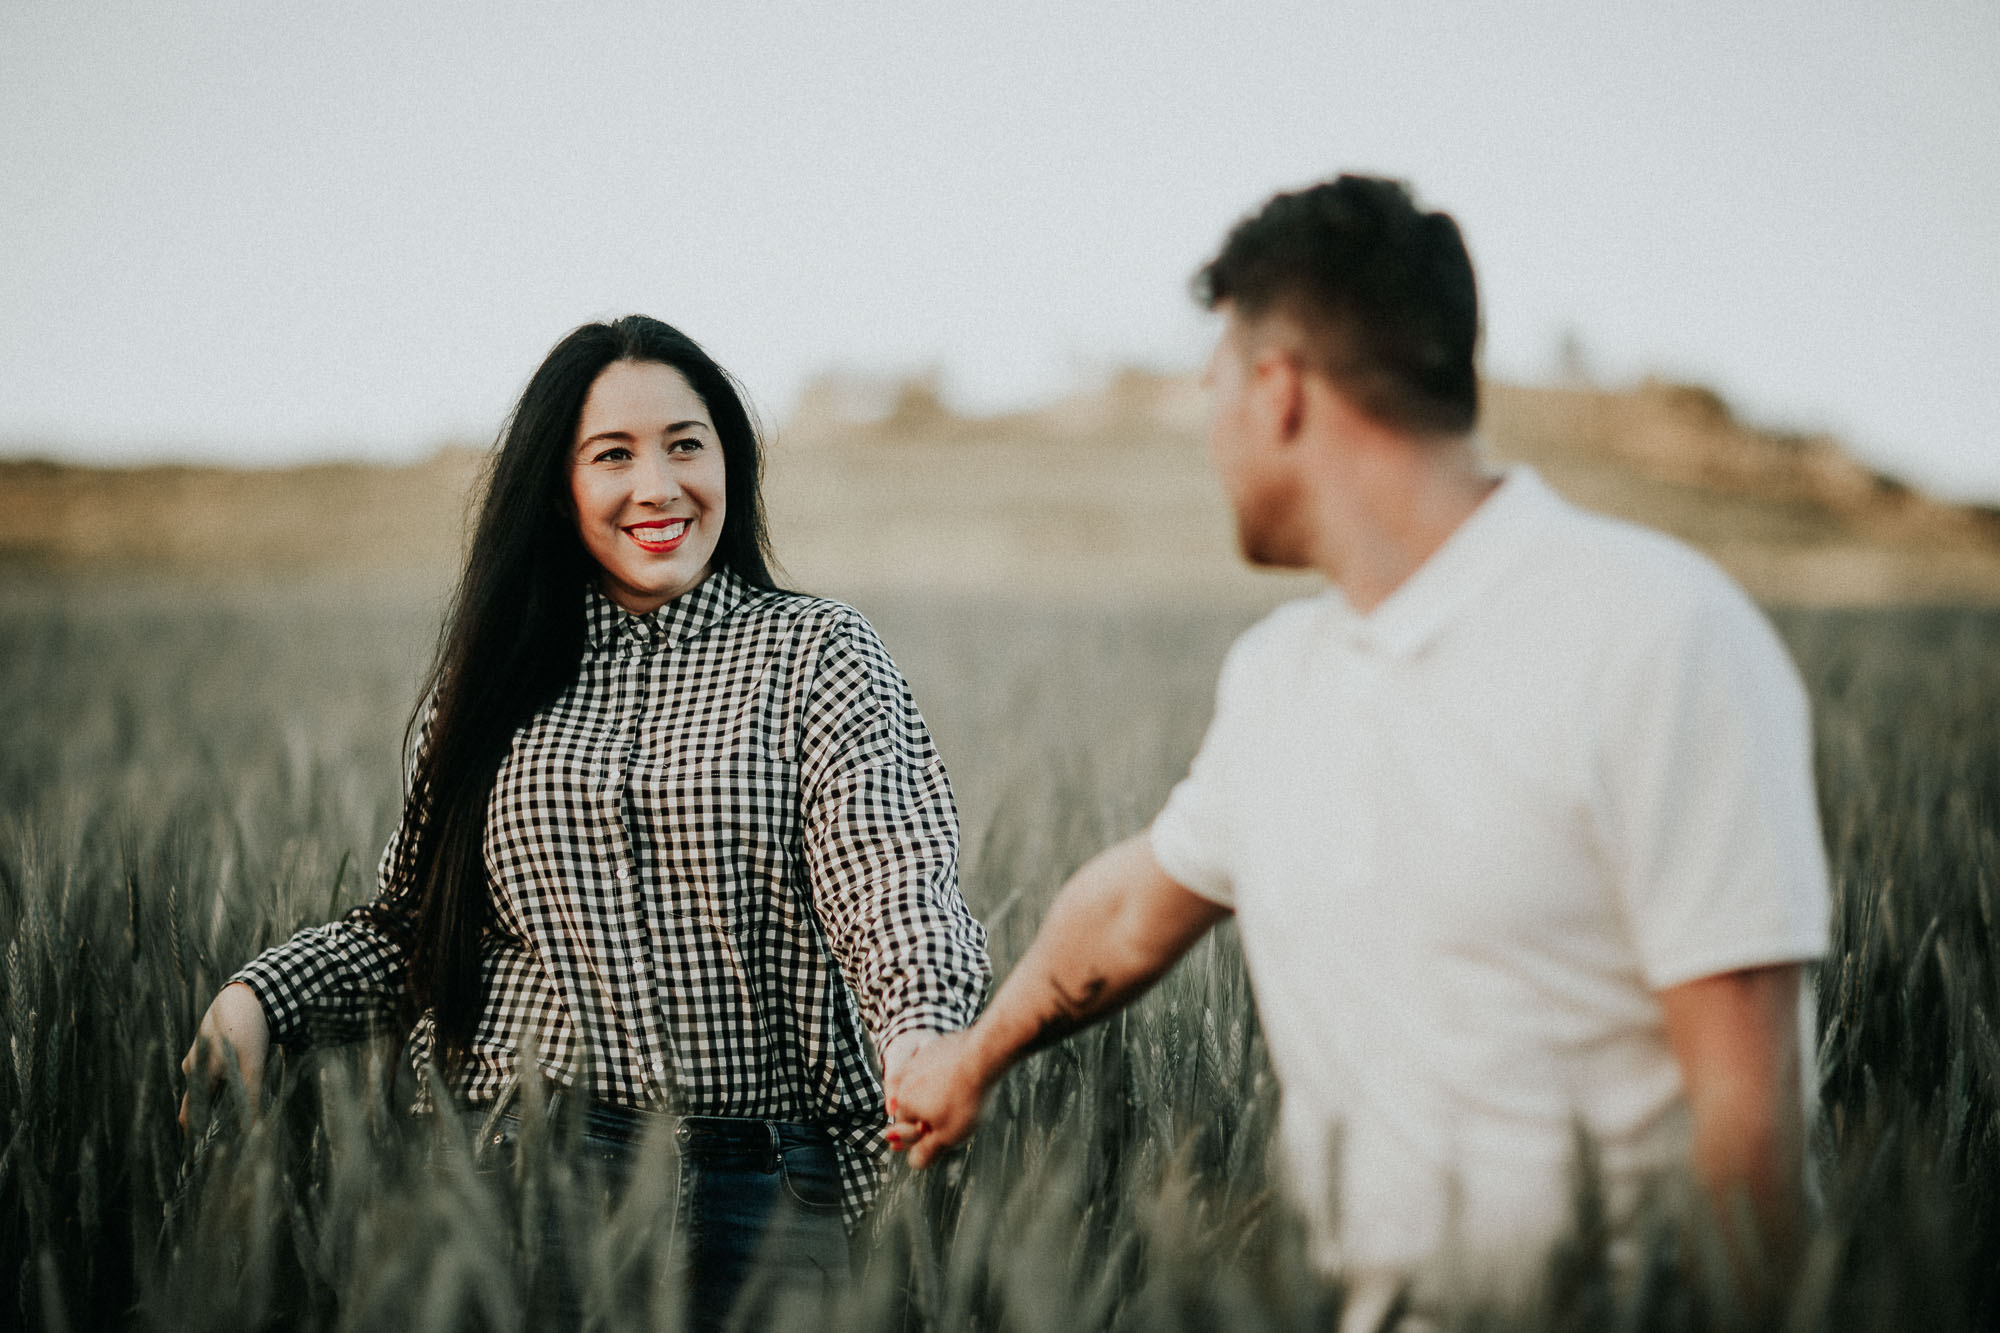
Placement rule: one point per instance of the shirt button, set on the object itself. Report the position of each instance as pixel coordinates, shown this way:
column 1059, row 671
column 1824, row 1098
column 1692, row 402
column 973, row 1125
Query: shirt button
column 623, row 874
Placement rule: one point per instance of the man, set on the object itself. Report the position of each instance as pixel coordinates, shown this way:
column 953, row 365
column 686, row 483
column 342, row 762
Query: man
column 1517, row 818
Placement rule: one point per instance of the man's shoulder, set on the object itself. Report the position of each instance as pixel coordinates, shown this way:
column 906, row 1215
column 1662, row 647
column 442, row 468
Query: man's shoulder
column 1634, row 573
column 1632, row 598
column 1265, row 658
column 1280, row 631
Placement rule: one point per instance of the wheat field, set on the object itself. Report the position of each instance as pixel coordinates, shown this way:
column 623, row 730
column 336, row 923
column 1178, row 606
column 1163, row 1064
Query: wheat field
column 190, row 771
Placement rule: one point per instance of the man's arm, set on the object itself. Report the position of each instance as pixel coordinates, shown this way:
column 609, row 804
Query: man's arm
column 1736, row 1038
column 1114, row 929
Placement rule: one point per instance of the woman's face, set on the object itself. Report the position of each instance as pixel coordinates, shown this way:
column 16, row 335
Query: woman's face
column 647, row 479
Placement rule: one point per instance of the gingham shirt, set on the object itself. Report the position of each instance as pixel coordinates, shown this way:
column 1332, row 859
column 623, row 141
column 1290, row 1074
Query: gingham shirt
column 724, row 857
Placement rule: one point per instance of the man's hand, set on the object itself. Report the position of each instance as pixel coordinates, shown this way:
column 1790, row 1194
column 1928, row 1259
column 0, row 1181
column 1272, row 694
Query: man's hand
column 234, row 1024
column 896, row 1057
column 935, row 1097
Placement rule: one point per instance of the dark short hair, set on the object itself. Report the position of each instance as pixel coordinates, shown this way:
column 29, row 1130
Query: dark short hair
column 1382, row 291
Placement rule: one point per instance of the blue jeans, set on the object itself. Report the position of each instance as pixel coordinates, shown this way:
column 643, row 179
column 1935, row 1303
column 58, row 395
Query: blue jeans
column 755, row 1212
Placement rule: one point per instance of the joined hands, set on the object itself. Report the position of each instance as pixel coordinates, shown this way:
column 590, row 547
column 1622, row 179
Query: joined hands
column 934, row 1086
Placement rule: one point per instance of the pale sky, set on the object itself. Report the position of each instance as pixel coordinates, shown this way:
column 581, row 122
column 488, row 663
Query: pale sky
column 261, row 232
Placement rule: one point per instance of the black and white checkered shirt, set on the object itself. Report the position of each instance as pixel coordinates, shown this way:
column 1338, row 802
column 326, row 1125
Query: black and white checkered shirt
column 720, row 861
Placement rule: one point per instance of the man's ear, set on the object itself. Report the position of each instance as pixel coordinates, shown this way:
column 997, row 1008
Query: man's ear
column 1279, row 383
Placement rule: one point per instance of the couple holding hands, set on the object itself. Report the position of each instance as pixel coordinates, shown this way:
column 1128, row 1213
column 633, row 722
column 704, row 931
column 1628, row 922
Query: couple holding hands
column 1516, row 818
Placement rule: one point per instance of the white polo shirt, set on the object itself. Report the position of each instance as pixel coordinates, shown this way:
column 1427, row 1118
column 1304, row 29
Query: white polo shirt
column 1468, row 837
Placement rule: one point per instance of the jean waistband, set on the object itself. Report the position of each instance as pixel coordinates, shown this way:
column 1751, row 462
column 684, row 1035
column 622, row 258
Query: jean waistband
column 696, row 1135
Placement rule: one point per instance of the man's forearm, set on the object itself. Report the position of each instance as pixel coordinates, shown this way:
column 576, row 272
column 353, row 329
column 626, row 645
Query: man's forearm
column 1736, row 1038
column 1113, row 929
column 1749, row 1149
column 1117, row 925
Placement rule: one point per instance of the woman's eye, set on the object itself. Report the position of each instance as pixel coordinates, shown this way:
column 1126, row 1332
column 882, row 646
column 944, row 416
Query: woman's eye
column 687, row 446
column 614, row 455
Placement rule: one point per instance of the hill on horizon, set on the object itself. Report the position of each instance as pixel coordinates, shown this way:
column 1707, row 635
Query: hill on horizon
column 878, row 485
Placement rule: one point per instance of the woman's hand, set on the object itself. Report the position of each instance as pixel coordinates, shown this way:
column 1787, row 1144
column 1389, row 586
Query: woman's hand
column 234, row 1024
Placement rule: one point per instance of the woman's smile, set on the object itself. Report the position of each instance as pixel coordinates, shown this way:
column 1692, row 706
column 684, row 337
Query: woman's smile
column 658, row 537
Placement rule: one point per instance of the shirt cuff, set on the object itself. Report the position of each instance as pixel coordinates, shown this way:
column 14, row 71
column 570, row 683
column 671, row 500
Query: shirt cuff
column 921, row 1018
column 1735, row 956
column 285, row 1019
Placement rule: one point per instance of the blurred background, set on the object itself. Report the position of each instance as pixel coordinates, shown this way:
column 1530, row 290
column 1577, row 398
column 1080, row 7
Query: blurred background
column 272, row 275
column 245, row 235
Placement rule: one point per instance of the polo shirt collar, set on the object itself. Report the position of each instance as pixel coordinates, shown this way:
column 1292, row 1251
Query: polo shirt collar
column 607, row 624
column 1458, row 573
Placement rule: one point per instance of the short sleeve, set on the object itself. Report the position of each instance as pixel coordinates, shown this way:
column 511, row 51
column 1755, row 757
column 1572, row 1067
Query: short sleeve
column 1190, row 837
column 1707, row 801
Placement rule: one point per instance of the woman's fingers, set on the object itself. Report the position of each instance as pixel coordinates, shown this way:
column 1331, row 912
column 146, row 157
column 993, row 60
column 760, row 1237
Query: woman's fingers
column 904, row 1131
column 205, row 1067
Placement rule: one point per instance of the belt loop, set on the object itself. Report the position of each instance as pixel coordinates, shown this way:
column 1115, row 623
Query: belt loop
column 777, row 1146
column 489, row 1127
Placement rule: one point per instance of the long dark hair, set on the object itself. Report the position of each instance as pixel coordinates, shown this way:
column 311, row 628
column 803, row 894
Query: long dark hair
column 514, row 639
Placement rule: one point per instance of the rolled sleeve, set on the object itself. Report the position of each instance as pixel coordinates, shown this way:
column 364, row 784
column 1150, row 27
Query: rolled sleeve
column 328, row 984
column 880, row 832
column 346, row 980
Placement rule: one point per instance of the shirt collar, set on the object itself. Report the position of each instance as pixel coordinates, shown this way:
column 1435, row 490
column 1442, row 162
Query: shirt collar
column 1500, row 530
column 607, row 624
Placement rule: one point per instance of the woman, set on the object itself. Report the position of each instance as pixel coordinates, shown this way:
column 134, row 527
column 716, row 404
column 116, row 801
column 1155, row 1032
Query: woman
column 678, row 833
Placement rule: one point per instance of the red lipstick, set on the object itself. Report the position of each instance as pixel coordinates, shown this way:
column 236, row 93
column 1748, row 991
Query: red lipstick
column 647, row 535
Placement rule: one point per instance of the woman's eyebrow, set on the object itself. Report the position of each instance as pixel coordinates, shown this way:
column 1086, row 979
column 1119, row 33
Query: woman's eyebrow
column 620, row 433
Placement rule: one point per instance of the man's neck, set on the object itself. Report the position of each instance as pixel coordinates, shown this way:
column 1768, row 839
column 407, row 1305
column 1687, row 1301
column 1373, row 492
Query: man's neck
column 1388, row 510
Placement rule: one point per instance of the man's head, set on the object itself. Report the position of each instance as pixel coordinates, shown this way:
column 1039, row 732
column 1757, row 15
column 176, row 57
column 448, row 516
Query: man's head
column 1350, row 283
column 1380, row 293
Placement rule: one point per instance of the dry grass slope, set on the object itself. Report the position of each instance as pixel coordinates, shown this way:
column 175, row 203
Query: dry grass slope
column 883, row 488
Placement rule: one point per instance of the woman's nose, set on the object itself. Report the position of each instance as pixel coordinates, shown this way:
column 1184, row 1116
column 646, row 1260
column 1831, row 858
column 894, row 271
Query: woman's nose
column 653, row 480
